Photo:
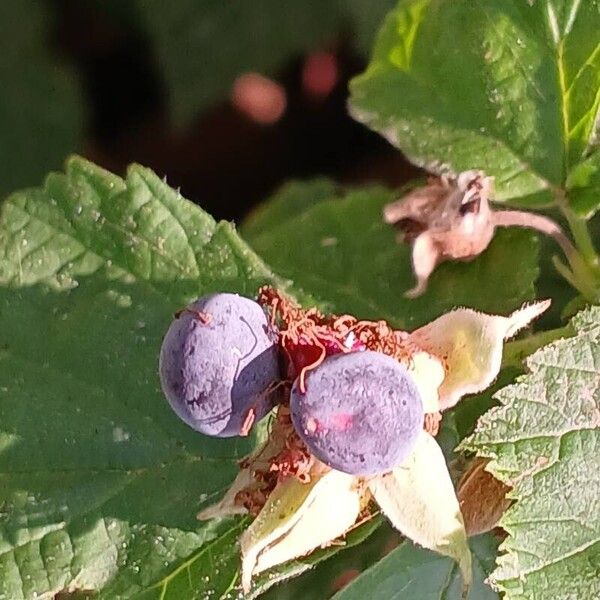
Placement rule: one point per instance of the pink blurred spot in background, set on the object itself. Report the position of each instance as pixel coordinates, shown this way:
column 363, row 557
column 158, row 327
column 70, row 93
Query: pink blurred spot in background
column 259, row 98
column 319, row 74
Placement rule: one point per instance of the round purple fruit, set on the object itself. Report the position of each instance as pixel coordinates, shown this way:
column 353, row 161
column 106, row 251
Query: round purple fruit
column 219, row 363
column 361, row 413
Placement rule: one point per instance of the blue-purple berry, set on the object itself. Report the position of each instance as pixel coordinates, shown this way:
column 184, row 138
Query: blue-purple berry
column 219, row 364
column 361, row 412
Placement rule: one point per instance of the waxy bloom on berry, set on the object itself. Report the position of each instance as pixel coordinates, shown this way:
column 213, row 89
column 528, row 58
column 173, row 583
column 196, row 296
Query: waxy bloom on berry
column 355, row 430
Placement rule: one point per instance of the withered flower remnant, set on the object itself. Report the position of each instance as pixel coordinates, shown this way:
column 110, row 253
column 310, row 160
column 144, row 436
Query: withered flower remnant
column 450, row 218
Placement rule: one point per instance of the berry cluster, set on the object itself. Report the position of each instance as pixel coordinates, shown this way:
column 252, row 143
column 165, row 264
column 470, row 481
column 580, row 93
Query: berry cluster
column 340, row 383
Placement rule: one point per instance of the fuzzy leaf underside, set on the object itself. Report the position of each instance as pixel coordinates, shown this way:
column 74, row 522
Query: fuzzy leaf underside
column 544, row 440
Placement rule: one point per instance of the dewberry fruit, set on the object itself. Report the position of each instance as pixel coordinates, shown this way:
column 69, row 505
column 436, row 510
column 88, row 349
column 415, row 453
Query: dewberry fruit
column 219, row 365
column 361, row 412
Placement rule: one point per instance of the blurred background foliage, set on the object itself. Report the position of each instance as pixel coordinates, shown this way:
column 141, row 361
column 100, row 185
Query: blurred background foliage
column 228, row 98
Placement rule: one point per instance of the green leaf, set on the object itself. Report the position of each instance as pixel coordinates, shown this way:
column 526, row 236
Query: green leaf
column 99, row 480
column 409, row 572
column 583, row 184
column 292, row 199
column 262, row 36
column 543, row 440
column 508, row 87
column 192, row 578
column 41, row 118
column 340, row 251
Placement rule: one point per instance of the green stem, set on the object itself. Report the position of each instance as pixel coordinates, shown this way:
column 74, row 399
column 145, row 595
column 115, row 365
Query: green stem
column 580, row 277
column 584, row 262
column 579, row 229
column 583, row 239
column 515, row 352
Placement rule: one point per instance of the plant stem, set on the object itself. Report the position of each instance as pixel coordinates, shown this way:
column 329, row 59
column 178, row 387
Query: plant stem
column 581, row 233
column 541, row 223
column 585, row 264
column 515, row 352
column 579, row 229
column 581, row 275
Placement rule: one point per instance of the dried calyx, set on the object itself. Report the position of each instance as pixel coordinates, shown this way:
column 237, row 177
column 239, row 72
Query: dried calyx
column 307, row 337
column 450, row 218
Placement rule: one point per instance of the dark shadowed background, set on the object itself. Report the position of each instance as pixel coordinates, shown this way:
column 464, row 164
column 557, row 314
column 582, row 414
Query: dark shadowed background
column 226, row 99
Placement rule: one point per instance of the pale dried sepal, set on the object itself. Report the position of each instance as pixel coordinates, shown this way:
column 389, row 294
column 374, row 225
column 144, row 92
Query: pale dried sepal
column 428, row 374
column 245, row 480
column 522, row 317
column 425, row 257
column 419, row 499
column 281, row 512
column 297, row 518
column 227, row 506
column 334, row 509
column 417, row 204
column 470, row 345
